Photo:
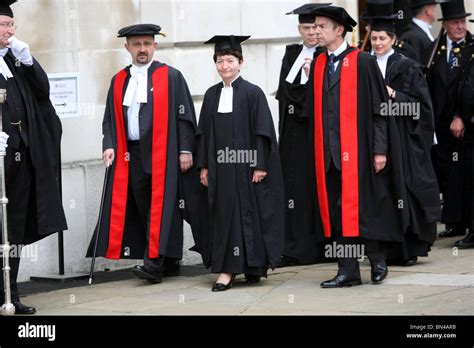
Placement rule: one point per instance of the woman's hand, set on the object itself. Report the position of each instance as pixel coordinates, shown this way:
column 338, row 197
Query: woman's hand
column 204, row 176
column 258, row 176
column 379, row 163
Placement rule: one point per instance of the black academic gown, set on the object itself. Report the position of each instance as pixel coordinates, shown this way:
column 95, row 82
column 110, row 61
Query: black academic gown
column 29, row 91
column 419, row 40
column 378, row 216
column 32, row 162
column 416, row 138
column 180, row 190
column 458, row 208
column 300, row 236
column 444, row 94
column 239, row 211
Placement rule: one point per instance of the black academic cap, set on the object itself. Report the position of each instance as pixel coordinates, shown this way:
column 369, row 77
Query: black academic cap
column 227, row 42
column 380, row 24
column 338, row 14
column 453, row 10
column 419, row 3
column 5, row 9
column 140, row 29
column 305, row 12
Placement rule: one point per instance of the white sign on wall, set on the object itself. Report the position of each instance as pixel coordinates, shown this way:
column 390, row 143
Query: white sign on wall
column 64, row 94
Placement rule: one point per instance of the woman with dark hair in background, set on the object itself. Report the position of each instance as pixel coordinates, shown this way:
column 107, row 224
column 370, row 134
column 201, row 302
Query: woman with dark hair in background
column 410, row 104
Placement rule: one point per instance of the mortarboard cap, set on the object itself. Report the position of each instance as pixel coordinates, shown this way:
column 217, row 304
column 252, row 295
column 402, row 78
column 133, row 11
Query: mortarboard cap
column 305, row 12
column 140, row 29
column 5, row 9
column 338, row 14
column 227, row 42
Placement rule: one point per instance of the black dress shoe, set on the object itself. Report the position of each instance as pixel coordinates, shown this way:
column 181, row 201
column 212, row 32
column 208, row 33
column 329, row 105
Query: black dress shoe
column 341, row 281
column 251, row 279
column 378, row 273
column 452, row 232
column 411, row 261
column 151, row 275
column 223, row 287
column 20, row 308
column 467, row 242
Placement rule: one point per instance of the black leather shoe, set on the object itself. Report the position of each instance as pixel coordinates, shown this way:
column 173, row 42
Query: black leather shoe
column 171, row 268
column 452, row 232
column 251, row 279
column 223, row 287
column 20, row 308
column 144, row 272
column 341, row 281
column 411, row 261
column 378, row 273
column 467, row 242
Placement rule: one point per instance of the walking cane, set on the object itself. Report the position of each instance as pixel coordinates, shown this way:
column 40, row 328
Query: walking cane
column 7, row 308
column 99, row 223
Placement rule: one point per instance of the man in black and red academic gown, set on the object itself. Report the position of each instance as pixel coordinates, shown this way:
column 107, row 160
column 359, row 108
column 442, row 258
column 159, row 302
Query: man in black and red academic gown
column 301, row 246
column 445, row 73
column 350, row 145
column 32, row 138
column 148, row 128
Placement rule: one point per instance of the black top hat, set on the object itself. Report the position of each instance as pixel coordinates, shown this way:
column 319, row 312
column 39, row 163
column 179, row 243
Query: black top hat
column 453, row 10
column 305, row 12
column 227, row 42
column 419, row 3
column 139, row 30
column 380, row 9
column 338, row 14
column 5, row 9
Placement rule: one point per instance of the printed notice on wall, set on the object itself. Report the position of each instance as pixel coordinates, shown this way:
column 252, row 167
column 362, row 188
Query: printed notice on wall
column 64, row 94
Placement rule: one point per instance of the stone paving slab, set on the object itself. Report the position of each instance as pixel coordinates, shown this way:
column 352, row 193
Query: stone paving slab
column 442, row 284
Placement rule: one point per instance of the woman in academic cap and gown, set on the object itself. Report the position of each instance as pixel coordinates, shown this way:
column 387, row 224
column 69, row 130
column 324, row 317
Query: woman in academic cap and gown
column 238, row 157
column 407, row 88
column 377, row 8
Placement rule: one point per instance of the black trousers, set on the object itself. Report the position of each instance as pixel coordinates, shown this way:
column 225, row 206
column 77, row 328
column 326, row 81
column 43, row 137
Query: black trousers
column 373, row 249
column 140, row 187
column 20, row 191
column 467, row 213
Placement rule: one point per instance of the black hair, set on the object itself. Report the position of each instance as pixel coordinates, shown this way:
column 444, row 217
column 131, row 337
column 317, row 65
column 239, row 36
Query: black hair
column 229, row 52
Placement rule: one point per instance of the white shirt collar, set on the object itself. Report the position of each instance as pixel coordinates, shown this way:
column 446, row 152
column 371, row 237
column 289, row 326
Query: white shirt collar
column 450, row 42
column 340, row 49
column 426, row 27
column 386, row 55
column 309, row 48
column 140, row 68
column 230, row 84
column 382, row 62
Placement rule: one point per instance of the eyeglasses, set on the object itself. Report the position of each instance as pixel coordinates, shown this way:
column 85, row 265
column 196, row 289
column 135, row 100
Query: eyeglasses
column 8, row 26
